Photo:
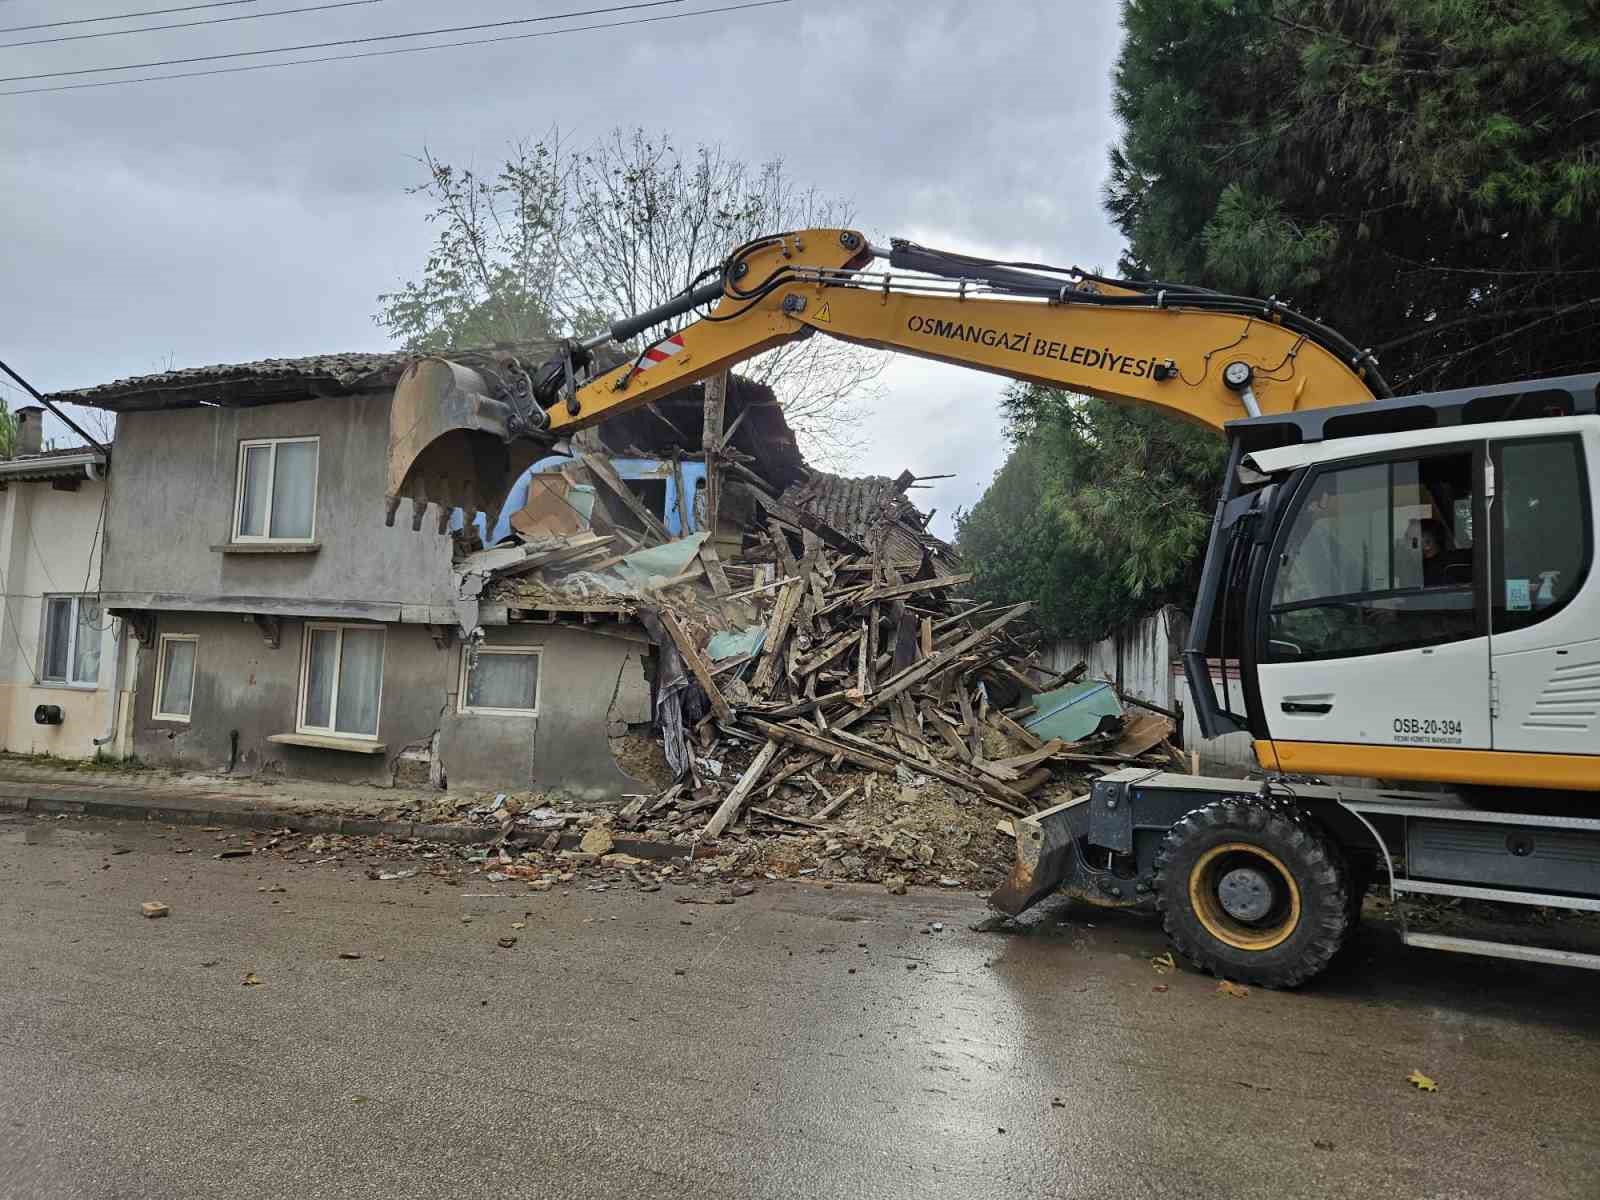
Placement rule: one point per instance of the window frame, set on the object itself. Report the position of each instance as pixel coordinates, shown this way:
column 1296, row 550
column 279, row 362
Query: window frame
column 330, row 730
column 1477, row 450
column 247, row 444
column 1494, row 573
column 469, row 658
column 75, row 601
column 156, row 713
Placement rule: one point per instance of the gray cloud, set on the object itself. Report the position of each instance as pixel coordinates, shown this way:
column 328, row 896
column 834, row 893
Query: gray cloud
column 259, row 214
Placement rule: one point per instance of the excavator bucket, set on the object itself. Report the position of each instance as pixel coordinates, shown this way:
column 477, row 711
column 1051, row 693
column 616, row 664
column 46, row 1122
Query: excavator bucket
column 449, row 444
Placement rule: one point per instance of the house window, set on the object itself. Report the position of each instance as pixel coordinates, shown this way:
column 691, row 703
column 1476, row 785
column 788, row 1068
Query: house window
column 500, row 679
column 175, row 676
column 341, row 680
column 277, row 499
column 71, row 641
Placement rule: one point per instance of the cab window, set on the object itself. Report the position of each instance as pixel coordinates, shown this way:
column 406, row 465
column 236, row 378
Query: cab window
column 1542, row 529
column 1377, row 557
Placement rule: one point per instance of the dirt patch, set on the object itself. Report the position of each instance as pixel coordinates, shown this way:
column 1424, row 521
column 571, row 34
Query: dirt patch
column 644, row 758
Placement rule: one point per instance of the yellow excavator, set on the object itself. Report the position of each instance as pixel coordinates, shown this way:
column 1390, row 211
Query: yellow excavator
column 1400, row 589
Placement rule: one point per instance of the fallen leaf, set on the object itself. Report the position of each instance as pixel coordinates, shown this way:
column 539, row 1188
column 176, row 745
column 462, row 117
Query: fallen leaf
column 154, row 909
column 1163, row 963
column 1160, row 987
column 519, row 924
column 1421, row 1082
column 349, row 954
column 506, row 943
column 1228, row 987
column 251, row 979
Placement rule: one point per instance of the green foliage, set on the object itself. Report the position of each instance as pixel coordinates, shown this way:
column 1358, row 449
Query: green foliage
column 1100, row 513
column 8, row 430
column 1423, row 176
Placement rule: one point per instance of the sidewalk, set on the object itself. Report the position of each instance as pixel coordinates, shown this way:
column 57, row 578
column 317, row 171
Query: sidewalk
column 192, row 798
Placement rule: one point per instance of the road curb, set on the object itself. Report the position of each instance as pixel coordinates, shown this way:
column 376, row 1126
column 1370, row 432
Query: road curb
column 20, row 798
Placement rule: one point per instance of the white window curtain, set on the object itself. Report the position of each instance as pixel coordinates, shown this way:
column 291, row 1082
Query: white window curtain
column 504, row 681
column 57, row 638
column 177, row 678
column 360, row 679
column 343, row 680
column 86, row 645
column 294, row 489
column 256, row 485
column 321, row 662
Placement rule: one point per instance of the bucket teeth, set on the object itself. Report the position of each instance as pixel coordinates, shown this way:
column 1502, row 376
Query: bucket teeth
column 391, row 505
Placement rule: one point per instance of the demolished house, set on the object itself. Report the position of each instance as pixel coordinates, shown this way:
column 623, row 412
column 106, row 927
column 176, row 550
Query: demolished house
column 819, row 679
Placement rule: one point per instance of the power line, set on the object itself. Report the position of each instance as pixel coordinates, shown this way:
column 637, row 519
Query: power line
column 382, row 37
column 105, row 33
column 299, row 62
column 149, row 12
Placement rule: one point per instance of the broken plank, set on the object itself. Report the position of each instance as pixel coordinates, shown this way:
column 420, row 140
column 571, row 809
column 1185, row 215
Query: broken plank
column 834, row 805
column 606, row 474
column 803, row 822
column 895, row 590
column 925, row 638
column 1144, row 732
column 777, row 633
column 713, row 565
column 1011, row 728
column 992, row 790
column 798, row 737
column 697, row 665
column 938, row 661
column 1026, row 762
column 729, row 808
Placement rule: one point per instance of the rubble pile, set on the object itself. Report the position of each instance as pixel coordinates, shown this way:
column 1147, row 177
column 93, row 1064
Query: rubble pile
column 820, row 679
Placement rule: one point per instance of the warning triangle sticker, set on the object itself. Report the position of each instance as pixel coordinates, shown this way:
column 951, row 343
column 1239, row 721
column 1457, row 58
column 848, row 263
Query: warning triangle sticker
column 824, row 314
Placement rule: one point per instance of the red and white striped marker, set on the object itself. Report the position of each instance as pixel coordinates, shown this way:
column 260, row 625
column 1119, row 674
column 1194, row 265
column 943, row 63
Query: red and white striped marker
column 660, row 353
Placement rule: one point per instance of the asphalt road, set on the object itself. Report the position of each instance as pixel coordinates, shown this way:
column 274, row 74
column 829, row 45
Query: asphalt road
column 817, row 1043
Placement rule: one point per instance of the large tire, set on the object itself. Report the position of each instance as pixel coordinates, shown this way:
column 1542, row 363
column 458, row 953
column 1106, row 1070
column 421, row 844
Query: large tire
column 1250, row 890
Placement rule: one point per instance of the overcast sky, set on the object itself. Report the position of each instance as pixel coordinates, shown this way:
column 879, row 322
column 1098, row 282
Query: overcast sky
column 259, row 214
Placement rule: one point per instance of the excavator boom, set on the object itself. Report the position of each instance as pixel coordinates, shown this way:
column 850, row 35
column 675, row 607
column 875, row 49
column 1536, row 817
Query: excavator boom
column 1203, row 356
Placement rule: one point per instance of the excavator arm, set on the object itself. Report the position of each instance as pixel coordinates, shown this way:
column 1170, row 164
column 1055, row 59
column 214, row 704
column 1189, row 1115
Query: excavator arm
column 1201, row 355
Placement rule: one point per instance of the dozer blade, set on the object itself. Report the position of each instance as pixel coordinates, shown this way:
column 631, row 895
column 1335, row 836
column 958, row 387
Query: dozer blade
column 1045, row 855
column 449, row 444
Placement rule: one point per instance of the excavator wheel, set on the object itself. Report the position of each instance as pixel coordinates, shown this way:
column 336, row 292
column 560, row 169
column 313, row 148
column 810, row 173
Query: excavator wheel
column 1250, row 890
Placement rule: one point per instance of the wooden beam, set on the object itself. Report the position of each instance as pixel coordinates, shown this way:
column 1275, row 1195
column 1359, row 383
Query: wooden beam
column 697, row 664
column 938, row 661
column 798, row 737
column 894, row 590
column 1014, row 729
column 729, row 808
column 713, row 565
column 716, row 396
column 991, row 790
column 606, row 474
column 777, row 632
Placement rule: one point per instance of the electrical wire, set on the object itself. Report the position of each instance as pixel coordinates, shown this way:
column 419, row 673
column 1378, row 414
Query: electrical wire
column 149, row 12
column 300, row 62
column 360, row 41
column 105, row 33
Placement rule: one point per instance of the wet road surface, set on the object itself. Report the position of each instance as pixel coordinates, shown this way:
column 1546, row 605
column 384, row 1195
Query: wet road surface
column 801, row 1042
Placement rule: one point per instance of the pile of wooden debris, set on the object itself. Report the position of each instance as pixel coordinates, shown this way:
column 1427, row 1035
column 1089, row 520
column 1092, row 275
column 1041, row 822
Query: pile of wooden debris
column 814, row 648
column 870, row 664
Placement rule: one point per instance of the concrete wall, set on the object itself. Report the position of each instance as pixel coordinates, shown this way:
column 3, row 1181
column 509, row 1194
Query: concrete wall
column 586, row 681
column 49, row 545
column 244, row 686
column 172, row 502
